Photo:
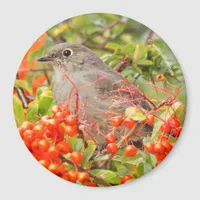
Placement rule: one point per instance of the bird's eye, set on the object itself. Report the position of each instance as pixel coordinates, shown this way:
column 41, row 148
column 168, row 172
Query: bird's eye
column 67, row 52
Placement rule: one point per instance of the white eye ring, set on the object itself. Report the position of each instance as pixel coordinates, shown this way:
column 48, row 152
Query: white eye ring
column 67, row 52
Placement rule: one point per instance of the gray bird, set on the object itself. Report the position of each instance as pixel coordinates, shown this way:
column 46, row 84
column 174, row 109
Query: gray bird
column 96, row 83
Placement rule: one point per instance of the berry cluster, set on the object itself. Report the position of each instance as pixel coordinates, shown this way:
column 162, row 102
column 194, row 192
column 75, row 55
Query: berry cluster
column 163, row 146
column 172, row 125
column 46, row 140
column 112, row 147
column 160, row 148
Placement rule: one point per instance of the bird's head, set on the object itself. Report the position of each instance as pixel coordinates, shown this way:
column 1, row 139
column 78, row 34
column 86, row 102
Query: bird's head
column 70, row 56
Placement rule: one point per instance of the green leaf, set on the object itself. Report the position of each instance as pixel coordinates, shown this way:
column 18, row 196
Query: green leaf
column 45, row 102
column 117, row 56
column 151, row 159
column 122, row 170
column 107, row 175
column 114, row 62
column 143, row 168
column 140, row 53
column 130, row 111
column 145, row 63
column 40, row 90
column 131, row 160
column 105, row 57
column 130, row 78
column 127, row 72
column 101, row 158
column 138, row 69
column 23, row 84
column 169, row 111
column 32, row 113
column 49, row 113
column 136, row 115
column 18, row 111
column 75, row 143
column 87, row 154
column 113, row 46
column 129, row 49
column 117, row 30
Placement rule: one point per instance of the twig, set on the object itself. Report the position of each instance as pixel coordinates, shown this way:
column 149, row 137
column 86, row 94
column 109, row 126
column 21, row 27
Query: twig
column 149, row 37
column 22, row 97
column 121, row 65
column 96, row 178
column 130, row 134
column 105, row 28
column 35, row 69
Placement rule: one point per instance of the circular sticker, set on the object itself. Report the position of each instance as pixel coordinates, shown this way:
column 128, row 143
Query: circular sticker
column 99, row 100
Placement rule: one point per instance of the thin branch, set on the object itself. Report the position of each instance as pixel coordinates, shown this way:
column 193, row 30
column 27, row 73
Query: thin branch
column 35, row 69
column 22, row 97
column 121, row 65
column 105, row 28
column 129, row 135
column 97, row 179
column 149, row 37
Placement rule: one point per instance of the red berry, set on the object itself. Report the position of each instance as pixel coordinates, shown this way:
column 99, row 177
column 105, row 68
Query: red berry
column 165, row 128
column 177, row 132
column 162, row 137
column 54, row 168
column 76, row 157
column 39, row 131
column 45, row 163
column 126, row 178
column 158, row 148
column 130, row 151
column 61, row 129
column 50, row 133
column 28, row 136
column 53, row 152
column 35, row 146
column 116, row 121
column 45, row 119
column 167, row 145
column 52, row 123
column 43, row 145
column 149, row 147
column 27, row 125
column 91, row 184
column 160, row 156
column 83, row 177
column 111, row 138
column 71, row 130
column 59, row 137
column 174, row 122
column 61, row 170
column 70, row 176
column 129, row 123
column 64, row 147
column 150, row 120
column 112, row 148
column 55, row 109
column 71, row 120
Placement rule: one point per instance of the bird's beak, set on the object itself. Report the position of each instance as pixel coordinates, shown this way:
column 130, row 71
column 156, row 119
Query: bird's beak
column 45, row 59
